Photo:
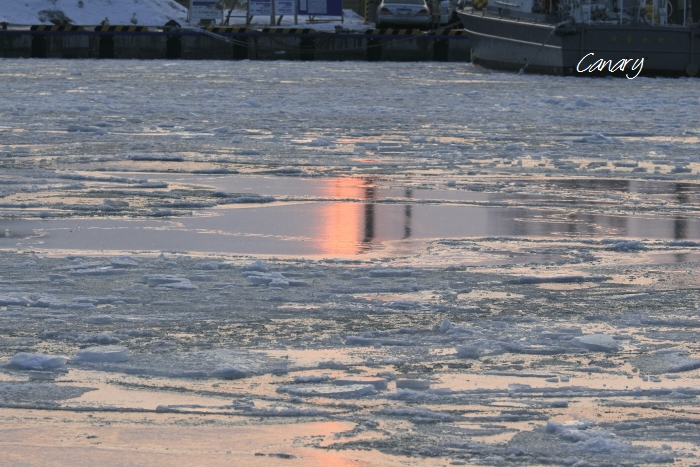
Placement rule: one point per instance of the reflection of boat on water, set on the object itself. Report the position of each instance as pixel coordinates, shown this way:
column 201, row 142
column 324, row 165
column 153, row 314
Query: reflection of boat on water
column 584, row 37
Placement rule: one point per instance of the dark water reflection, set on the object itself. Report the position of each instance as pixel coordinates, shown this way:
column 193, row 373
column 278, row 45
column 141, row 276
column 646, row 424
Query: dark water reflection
column 335, row 228
column 684, row 191
column 369, row 217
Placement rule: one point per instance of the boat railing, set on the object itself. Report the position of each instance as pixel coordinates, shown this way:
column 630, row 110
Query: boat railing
column 513, row 5
column 635, row 12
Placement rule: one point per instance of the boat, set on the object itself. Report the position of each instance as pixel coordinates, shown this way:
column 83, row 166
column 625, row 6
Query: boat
column 627, row 38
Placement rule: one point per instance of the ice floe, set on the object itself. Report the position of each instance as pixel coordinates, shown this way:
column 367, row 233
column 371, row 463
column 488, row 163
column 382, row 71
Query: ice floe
column 107, row 353
column 27, row 361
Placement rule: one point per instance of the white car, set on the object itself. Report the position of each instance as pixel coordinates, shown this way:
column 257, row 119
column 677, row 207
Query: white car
column 409, row 13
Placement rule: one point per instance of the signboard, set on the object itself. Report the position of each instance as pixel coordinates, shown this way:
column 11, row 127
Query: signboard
column 321, row 7
column 262, row 7
column 259, row 8
column 285, row 7
column 204, row 10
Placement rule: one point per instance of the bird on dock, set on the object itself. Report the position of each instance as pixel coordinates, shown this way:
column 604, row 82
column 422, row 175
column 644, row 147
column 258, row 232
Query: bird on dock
column 133, row 19
column 105, row 22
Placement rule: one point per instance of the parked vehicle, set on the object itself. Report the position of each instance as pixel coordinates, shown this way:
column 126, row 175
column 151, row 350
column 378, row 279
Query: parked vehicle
column 410, row 13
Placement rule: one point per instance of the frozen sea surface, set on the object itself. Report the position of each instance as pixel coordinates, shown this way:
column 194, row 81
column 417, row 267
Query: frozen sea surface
column 400, row 153
column 420, row 264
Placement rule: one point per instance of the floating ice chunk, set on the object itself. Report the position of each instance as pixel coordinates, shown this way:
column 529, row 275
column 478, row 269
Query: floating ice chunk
column 273, row 279
column 147, row 184
column 115, row 203
column 680, row 395
column 185, row 204
column 98, row 338
column 85, row 129
column 598, row 138
column 557, row 279
column 256, row 266
column 162, row 213
column 182, row 285
column 666, row 361
column 622, row 245
column 259, row 280
column 468, row 351
column 378, row 383
column 160, row 279
column 286, row 171
column 624, row 426
column 79, row 263
column 332, row 365
column 311, row 379
column 230, row 372
column 515, row 387
column 207, row 266
column 124, row 262
column 7, row 300
column 420, row 415
column 371, row 341
column 409, row 383
column 329, row 390
column 446, row 325
column 600, row 444
column 215, row 170
column 279, row 283
column 99, row 319
column 157, row 157
column 656, row 458
column 247, row 199
column 558, row 427
column 627, row 164
column 105, row 271
column 320, row 142
column 404, row 304
column 28, row 361
column 596, row 342
column 492, row 460
column 107, row 353
column 583, row 103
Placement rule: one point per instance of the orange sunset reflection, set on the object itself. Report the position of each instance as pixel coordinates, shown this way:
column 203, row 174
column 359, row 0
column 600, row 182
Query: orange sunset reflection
column 347, row 228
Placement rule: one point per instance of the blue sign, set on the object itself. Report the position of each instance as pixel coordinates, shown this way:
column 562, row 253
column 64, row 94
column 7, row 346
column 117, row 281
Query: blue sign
column 321, row 7
column 259, row 8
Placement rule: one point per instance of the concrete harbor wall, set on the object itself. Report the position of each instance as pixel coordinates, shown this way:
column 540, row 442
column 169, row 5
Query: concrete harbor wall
column 236, row 44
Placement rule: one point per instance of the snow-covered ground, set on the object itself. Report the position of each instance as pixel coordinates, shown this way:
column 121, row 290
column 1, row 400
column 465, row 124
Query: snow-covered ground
column 422, row 264
column 92, row 12
column 144, row 12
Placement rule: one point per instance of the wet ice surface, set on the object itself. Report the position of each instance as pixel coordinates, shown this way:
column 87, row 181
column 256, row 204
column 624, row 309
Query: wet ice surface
column 437, row 265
